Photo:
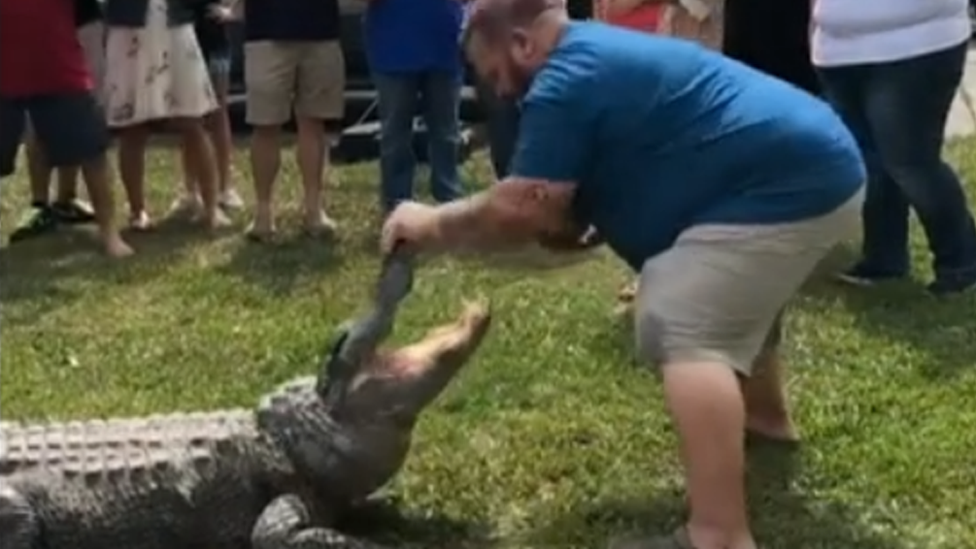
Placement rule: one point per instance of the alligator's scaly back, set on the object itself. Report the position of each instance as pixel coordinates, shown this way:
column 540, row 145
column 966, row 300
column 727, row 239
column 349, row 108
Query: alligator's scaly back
column 231, row 480
column 77, row 447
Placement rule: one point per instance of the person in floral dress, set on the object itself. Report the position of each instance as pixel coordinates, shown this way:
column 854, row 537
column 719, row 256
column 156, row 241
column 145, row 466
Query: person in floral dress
column 154, row 72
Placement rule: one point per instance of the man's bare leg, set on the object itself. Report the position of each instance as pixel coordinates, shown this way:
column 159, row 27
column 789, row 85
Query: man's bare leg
column 98, row 181
column 708, row 410
column 313, row 157
column 265, row 163
column 764, row 392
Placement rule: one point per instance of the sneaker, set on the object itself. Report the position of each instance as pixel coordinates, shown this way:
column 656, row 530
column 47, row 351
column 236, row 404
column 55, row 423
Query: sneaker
column 320, row 225
column 39, row 221
column 73, row 212
column 946, row 286
column 230, row 199
column 186, row 208
column 859, row 275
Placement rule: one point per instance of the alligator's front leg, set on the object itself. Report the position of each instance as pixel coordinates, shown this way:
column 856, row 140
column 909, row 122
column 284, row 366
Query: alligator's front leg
column 286, row 524
column 19, row 528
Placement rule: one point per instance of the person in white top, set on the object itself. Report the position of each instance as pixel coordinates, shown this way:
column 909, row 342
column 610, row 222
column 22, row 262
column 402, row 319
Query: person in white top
column 891, row 69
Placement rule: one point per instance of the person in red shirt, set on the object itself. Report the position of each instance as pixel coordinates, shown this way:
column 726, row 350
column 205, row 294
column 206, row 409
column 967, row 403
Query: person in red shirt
column 44, row 75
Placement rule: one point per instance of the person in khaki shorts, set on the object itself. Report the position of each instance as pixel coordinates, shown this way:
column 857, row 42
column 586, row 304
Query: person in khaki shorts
column 721, row 186
column 293, row 64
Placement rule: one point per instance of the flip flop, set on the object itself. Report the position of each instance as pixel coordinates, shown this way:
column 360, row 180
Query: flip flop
column 755, row 439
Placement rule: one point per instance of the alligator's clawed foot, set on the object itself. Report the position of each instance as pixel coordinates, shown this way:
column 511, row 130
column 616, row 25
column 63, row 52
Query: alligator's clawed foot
column 286, row 524
column 19, row 527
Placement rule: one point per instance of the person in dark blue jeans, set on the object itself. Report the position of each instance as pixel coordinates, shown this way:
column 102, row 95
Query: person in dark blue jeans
column 415, row 58
column 898, row 110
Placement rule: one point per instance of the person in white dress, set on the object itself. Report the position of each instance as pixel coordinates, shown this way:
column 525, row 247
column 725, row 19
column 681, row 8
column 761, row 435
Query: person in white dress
column 155, row 71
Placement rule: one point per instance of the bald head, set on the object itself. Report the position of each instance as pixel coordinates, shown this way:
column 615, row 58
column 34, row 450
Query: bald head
column 493, row 20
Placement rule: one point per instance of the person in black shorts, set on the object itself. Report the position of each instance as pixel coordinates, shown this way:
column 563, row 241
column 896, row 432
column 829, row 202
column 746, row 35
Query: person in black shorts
column 44, row 215
column 56, row 95
column 210, row 26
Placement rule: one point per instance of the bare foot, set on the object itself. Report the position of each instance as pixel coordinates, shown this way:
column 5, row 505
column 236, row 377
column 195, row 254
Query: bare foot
column 116, row 248
column 231, row 200
column 318, row 225
column 140, row 221
column 216, row 220
column 261, row 230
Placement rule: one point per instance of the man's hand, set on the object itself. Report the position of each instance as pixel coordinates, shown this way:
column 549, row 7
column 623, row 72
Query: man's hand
column 411, row 223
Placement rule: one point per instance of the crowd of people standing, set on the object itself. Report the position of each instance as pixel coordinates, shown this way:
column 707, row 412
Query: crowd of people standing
column 123, row 65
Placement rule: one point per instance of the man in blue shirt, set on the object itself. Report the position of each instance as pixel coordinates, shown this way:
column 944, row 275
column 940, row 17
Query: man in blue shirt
column 721, row 186
column 413, row 49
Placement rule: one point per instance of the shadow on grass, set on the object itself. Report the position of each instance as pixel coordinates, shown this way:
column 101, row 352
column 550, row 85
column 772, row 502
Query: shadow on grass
column 381, row 520
column 942, row 329
column 51, row 270
column 782, row 519
column 277, row 267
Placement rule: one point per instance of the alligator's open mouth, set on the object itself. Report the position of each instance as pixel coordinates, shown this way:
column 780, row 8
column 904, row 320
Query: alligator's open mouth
column 447, row 346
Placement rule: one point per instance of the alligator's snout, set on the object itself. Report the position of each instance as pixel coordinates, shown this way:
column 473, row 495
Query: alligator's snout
column 402, row 382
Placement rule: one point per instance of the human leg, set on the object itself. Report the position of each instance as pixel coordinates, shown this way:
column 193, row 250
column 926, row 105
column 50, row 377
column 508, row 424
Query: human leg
column 884, row 243
column 441, row 95
column 218, row 124
column 319, row 104
column 270, row 69
column 397, row 96
column 84, row 142
column 703, row 311
column 40, row 219
column 907, row 103
column 764, row 392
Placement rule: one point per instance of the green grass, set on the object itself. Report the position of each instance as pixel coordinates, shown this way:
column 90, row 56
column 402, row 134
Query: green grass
column 553, row 437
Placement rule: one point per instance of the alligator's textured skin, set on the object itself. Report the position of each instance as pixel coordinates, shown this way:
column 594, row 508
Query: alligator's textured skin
column 268, row 478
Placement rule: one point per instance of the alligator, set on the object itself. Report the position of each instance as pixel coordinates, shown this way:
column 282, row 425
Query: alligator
column 270, row 478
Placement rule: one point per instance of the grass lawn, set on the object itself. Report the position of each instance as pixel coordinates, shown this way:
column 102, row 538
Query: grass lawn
column 553, row 437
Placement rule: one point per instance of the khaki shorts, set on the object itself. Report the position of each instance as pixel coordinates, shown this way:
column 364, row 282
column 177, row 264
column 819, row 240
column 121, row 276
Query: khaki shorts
column 305, row 77
column 718, row 294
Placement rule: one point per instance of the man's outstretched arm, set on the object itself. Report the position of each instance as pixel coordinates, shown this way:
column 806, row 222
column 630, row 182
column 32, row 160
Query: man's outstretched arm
column 511, row 213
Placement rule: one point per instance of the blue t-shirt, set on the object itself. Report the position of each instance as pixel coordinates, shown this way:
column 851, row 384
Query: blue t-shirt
column 661, row 134
column 404, row 36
